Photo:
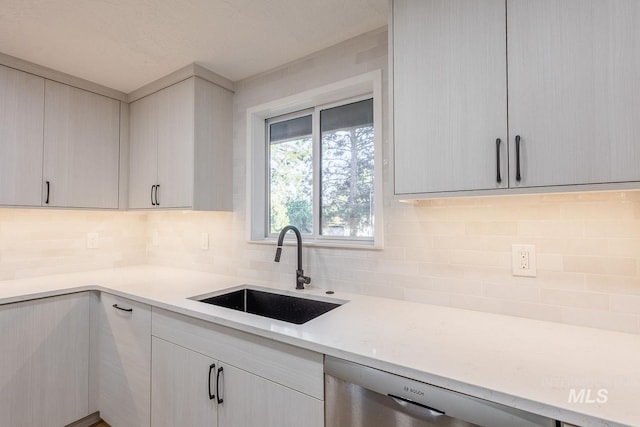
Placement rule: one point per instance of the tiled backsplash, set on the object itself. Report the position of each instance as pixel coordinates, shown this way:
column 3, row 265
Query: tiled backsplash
column 37, row 242
column 455, row 252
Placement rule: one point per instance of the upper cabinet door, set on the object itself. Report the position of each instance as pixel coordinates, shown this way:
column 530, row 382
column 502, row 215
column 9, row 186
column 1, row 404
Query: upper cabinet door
column 143, row 152
column 450, row 99
column 81, row 148
column 176, row 122
column 574, row 90
column 21, row 124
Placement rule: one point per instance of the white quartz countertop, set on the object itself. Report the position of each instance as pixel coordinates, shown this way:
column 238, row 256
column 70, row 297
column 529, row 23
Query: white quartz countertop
column 527, row 364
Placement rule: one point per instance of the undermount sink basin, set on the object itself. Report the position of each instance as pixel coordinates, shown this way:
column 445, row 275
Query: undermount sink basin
column 267, row 303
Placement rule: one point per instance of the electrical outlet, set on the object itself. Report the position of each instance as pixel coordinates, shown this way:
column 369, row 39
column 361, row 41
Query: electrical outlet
column 204, row 241
column 155, row 238
column 523, row 260
column 92, row 240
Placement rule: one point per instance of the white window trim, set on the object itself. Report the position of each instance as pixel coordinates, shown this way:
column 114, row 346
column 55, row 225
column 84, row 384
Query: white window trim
column 368, row 83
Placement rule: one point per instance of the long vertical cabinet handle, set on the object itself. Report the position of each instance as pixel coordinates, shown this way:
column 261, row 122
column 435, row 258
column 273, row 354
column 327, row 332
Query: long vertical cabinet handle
column 153, row 187
column 518, row 175
column 156, row 196
column 212, row 367
column 220, row 400
column 46, row 200
column 498, row 176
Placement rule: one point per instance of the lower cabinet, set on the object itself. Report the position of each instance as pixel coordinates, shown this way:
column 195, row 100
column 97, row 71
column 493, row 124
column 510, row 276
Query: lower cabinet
column 250, row 400
column 183, row 387
column 149, row 367
column 124, row 367
column 44, row 361
column 207, row 375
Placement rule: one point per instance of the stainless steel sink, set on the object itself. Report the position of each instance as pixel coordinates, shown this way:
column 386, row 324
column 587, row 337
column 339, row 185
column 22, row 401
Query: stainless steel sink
column 268, row 303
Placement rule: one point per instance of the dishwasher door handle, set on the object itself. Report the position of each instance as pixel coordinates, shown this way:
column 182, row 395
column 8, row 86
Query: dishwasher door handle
column 404, row 402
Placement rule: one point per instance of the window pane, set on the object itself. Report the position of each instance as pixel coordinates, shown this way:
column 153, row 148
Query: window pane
column 291, row 175
column 347, row 170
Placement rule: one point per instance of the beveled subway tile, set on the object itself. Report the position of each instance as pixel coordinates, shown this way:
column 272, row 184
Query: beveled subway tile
column 600, row 265
column 629, row 304
column 492, row 228
column 556, row 228
column 427, row 296
column 589, row 300
column 613, row 228
column 510, row 292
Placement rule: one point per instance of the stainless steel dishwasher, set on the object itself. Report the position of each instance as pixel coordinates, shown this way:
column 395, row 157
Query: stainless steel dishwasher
column 359, row 396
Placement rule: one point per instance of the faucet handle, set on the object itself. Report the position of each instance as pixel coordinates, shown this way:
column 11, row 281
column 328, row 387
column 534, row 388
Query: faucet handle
column 302, row 279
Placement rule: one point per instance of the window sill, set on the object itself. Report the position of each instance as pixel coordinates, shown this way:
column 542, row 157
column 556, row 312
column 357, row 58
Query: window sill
column 320, row 244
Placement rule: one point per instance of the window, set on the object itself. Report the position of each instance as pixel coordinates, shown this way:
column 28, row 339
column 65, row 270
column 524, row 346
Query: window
column 318, row 167
column 346, row 171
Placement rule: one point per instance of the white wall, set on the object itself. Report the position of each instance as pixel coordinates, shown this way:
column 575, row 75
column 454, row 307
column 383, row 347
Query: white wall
column 452, row 252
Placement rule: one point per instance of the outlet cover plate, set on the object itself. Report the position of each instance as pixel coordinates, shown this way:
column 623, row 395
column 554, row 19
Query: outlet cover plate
column 92, row 240
column 526, row 253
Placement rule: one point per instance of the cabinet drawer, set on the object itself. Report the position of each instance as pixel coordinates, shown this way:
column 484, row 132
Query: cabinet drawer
column 293, row 367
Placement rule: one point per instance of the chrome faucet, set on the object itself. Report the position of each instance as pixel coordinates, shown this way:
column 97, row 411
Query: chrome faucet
column 301, row 279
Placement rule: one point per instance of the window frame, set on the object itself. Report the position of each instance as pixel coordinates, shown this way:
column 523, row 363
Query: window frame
column 364, row 86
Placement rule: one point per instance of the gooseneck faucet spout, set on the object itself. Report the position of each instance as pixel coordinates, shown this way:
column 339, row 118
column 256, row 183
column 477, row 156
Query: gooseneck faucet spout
column 301, row 279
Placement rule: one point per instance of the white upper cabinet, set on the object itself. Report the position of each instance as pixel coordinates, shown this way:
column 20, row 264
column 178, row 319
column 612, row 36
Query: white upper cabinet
column 21, row 126
column 81, row 148
column 181, row 148
column 176, row 121
column 573, row 86
column 574, row 90
column 450, row 96
column 143, row 153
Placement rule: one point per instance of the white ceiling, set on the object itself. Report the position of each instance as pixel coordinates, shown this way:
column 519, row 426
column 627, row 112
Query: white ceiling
column 124, row 44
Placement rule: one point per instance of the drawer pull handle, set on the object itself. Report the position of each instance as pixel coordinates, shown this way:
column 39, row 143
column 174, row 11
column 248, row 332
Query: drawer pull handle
column 212, row 367
column 220, row 400
column 153, row 187
column 156, row 196
column 123, row 309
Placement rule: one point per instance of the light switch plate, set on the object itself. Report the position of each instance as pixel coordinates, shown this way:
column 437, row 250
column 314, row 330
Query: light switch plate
column 204, row 241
